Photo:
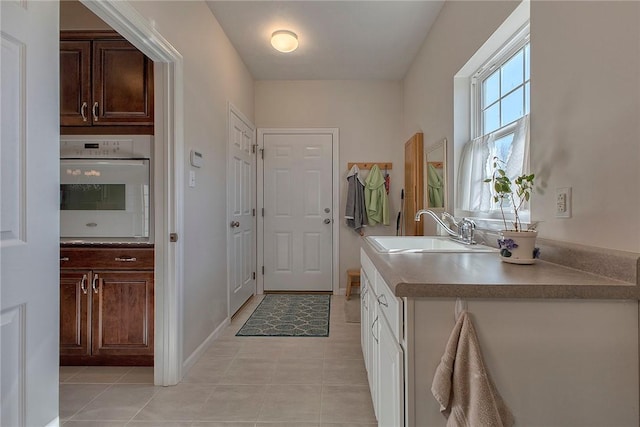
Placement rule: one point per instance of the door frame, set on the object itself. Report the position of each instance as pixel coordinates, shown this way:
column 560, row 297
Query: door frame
column 232, row 109
column 167, row 177
column 335, row 224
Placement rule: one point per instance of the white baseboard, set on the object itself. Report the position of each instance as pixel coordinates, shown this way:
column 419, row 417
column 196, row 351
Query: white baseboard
column 54, row 423
column 198, row 352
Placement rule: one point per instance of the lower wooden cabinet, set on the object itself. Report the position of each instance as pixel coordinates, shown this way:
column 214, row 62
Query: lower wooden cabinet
column 106, row 317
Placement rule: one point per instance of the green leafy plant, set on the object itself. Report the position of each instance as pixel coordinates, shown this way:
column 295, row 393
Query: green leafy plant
column 503, row 190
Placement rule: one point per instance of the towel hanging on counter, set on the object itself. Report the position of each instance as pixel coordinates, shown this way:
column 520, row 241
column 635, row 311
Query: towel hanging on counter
column 461, row 385
column 376, row 198
column 356, row 212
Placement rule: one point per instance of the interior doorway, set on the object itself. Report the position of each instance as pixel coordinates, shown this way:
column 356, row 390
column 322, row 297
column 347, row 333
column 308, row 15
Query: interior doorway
column 241, row 211
column 167, row 178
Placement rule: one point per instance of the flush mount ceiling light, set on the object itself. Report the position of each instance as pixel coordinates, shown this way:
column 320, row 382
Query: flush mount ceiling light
column 284, row 41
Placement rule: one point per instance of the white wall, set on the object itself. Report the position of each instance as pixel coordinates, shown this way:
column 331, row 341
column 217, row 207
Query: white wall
column 213, row 75
column 585, row 107
column 585, row 120
column 369, row 116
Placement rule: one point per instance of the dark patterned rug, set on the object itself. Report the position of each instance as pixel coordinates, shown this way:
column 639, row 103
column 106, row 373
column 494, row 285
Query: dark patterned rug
column 289, row 315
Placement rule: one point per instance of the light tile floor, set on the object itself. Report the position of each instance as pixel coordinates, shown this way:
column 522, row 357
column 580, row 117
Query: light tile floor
column 238, row 382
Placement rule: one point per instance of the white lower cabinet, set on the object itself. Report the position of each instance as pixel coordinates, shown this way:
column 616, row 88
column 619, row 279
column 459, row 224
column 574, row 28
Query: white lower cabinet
column 577, row 359
column 390, row 378
column 383, row 354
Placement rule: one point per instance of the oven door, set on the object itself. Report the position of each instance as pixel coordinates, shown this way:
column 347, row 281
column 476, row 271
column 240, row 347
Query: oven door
column 104, row 198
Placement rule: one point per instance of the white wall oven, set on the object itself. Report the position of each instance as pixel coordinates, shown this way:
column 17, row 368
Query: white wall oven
column 105, row 187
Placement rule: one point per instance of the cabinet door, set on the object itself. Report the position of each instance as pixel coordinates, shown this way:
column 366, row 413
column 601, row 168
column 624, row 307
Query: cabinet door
column 122, row 313
column 372, row 351
column 390, row 378
column 75, row 83
column 74, row 298
column 122, row 84
column 364, row 317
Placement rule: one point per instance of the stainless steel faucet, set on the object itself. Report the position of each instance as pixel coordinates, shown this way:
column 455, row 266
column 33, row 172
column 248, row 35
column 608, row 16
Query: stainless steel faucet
column 465, row 227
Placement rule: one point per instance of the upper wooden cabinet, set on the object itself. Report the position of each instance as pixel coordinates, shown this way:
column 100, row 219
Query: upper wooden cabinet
column 105, row 83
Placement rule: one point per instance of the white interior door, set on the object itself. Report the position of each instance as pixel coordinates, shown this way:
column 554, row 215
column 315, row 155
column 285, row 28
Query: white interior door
column 241, row 184
column 298, row 211
column 29, row 221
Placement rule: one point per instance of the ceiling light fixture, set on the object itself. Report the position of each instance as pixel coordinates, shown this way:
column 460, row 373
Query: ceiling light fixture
column 284, row 41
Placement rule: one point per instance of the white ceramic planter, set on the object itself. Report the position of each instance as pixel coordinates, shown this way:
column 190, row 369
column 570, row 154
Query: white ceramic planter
column 518, row 247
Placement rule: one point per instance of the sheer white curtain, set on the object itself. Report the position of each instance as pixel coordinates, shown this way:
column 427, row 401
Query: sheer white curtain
column 476, row 165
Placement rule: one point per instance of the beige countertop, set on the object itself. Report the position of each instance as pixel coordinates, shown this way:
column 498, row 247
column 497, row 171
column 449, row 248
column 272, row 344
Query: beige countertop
column 483, row 275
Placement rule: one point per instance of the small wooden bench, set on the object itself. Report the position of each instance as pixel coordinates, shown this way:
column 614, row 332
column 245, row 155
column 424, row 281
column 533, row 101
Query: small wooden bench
column 353, row 279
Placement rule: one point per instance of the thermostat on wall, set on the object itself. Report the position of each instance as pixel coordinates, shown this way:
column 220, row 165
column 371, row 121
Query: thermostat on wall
column 196, row 159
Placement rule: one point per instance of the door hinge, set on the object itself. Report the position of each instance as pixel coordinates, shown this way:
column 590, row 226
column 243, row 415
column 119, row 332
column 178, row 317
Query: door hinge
column 262, row 211
column 173, row 237
column 263, row 270
column 262, row 153
column 253, row 147
column 254, row 275
column 253, row 212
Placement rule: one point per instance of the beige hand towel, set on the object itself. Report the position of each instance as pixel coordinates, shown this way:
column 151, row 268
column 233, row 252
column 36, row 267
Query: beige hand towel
column 467, row 396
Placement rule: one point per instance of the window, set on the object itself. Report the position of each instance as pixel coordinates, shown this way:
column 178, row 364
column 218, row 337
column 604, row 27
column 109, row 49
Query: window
column 500, row 98
column 502, row 88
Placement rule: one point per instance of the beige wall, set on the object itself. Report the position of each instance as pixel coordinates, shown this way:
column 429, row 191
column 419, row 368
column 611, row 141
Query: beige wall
column 75, row 16
column 585, row 105
column 213, row 76
column 369, row 116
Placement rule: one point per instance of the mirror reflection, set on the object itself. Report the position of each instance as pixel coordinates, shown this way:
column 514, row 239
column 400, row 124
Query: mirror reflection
column 434, row 176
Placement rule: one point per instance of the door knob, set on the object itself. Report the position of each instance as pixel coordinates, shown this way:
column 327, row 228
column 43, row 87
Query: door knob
column 327, row 221
column 235, row 224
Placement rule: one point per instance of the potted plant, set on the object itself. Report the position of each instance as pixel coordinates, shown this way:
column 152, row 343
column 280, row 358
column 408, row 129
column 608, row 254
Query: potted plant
column 517, row 245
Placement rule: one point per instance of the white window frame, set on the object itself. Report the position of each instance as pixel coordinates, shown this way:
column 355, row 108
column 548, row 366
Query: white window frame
column 511, row 36
column 504, row 54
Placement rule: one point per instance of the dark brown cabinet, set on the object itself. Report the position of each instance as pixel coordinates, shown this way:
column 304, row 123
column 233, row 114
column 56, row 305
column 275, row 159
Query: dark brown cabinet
column 106, row 85
column 106, row 311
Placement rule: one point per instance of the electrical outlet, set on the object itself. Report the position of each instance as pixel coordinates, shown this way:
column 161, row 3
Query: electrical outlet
column 563, row 202
column 192, row 179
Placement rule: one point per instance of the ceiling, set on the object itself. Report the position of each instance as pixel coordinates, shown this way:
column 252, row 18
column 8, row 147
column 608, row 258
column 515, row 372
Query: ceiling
column 339, row 40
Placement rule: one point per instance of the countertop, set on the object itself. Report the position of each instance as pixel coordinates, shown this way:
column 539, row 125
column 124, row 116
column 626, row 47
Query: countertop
column 483, row 275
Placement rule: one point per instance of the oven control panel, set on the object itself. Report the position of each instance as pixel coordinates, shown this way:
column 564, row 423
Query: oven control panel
column 105, row 147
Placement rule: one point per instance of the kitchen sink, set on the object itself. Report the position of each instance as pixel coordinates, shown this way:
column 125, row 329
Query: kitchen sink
column 420, row 244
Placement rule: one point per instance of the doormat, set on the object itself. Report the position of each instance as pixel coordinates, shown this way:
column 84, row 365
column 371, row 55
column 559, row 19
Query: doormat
column 289, row 315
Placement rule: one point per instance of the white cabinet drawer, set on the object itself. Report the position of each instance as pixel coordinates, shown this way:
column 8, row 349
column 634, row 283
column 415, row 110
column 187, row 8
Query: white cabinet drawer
column 390, row 306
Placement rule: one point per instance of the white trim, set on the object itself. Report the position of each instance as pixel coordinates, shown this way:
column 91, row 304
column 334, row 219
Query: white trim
column 54, row 422
column 168, row 174
column 335, row 133
column 202, row 348
column 464, row 97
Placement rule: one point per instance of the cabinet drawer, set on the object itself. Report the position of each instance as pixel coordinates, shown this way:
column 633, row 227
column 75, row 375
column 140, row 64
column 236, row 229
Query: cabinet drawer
column 390, row 306
column 106, row 258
